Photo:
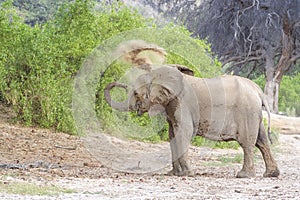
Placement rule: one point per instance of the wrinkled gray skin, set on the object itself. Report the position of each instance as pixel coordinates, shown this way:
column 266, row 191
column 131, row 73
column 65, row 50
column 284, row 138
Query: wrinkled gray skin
column 223, row 108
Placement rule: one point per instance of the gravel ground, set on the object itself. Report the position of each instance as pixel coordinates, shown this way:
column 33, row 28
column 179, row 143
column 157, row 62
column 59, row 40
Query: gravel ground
column 43, row 157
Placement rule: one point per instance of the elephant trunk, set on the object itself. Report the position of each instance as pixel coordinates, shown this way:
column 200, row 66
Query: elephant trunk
column 121, row 106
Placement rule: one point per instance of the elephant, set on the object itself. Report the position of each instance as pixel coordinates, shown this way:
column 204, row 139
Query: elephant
column 223, row 108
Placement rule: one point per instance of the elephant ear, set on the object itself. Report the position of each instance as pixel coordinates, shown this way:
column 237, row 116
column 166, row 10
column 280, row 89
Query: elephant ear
column 166, row 85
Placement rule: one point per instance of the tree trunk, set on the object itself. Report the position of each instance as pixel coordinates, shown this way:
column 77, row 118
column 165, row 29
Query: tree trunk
column 284, row 124
column 274, row 73
column 271, row 87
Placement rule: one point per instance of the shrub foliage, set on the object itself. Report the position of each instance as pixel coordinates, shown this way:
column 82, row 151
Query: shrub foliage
column 38, row 64
column 289, row 94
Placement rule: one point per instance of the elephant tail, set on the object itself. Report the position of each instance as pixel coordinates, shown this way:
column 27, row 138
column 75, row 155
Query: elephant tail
column 140, row 53
column 266, row 105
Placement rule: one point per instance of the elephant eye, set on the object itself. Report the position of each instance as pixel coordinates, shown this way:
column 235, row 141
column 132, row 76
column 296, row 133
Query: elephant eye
column 135, row 93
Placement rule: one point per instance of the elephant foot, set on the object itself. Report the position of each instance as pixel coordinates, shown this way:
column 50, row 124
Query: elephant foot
column 189, row 173
column 245, row 174
column 272, row 173
column 171, row 173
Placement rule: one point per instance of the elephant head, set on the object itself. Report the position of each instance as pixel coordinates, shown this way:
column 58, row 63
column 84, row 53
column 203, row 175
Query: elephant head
column 157, row 87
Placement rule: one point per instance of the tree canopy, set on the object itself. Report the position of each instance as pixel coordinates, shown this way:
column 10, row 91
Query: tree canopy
column 254, row 35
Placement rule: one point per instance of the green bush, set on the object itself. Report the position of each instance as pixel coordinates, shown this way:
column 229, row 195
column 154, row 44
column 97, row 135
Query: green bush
column 289, row 94
column 39, row 63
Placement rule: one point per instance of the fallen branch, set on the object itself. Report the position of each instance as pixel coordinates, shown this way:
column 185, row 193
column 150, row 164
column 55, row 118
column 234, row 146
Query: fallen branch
column 62, row 147
column 12, row 166
column 285, row 125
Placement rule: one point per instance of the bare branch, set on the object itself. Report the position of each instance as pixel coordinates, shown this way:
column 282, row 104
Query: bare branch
column 236, row 63
column 251, row 69
column 245, row 31
column 294, row 58
column 296, row 24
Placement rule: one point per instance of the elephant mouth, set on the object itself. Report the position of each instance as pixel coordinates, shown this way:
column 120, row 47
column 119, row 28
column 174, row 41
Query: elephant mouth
column 140, row 112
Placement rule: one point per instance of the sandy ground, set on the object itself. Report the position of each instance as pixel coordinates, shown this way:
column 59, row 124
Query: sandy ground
column 44, row 157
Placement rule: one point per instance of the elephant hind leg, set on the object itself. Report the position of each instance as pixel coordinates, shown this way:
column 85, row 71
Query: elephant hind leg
column 248, row 166
column 262, row 144
column 247, row 134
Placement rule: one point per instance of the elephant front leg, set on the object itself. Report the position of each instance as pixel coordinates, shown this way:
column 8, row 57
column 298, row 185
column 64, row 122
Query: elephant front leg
column 181, row 167
column 179, row 147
